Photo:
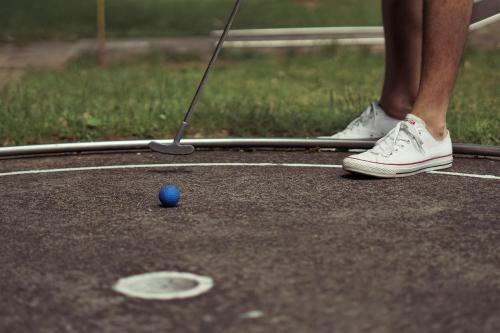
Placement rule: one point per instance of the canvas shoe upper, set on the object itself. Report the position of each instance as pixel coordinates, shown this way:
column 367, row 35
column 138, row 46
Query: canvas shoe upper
column 406, row 150
column 372, row 124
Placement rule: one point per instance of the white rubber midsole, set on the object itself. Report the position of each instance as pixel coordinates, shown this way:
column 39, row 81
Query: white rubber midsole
column 390, row 171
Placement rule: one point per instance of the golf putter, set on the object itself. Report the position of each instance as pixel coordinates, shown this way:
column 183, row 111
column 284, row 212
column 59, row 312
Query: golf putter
column 176, row 148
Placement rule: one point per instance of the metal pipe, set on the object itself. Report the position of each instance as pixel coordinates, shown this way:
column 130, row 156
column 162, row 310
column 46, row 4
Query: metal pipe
column 304, row 42
column 276, row 143
column 302, row 31
column 485, row 13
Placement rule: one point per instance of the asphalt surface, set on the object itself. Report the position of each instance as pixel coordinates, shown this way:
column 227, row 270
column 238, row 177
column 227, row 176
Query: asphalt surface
column 315, row 250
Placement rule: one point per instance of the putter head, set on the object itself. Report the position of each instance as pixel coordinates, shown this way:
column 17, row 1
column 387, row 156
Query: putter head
column 171, row 149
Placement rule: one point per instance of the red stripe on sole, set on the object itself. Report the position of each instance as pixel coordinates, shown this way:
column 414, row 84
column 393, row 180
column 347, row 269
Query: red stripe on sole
column 414, row 163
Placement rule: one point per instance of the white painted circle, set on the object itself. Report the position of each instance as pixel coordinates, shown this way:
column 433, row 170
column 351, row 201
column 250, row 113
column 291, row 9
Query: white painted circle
column 164, row 285
column 179, row 165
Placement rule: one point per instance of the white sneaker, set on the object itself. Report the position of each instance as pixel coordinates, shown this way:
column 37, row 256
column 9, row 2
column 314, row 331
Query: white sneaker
column 406, row 150
column 373, row 124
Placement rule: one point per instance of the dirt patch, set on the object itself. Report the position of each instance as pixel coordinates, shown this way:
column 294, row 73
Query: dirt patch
column 15, row 60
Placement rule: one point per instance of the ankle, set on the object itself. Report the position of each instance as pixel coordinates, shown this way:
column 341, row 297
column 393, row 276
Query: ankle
column 397, row 110
column 436, row 127
column 439, row 133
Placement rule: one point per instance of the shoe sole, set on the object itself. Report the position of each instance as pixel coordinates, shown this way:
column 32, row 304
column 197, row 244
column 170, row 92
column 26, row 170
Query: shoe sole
column 391, row 171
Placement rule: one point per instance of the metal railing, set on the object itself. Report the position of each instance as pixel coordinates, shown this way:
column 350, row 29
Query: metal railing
column 225, row 143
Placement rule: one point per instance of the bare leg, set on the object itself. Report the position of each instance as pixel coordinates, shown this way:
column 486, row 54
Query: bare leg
column 445, row 30
column 403, row 32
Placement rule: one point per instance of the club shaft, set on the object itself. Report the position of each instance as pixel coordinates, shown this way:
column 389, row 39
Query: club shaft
column 212, row 60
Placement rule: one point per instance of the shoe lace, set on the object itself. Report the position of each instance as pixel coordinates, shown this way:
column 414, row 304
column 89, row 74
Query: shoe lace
column 398, row 138
column 364, row 118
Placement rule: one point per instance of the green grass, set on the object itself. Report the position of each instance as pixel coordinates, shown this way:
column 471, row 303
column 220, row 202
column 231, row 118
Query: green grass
column 287, row 95
column 29, row 19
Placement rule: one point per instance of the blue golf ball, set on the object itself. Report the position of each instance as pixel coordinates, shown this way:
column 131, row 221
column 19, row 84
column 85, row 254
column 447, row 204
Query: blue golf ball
column 169, row 195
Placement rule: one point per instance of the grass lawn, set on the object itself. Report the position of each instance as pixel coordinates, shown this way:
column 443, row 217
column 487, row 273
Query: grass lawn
column 28, row 19
column 287, row 95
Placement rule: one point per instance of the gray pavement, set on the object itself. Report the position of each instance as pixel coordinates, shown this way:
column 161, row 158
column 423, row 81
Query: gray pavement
column 316, row 250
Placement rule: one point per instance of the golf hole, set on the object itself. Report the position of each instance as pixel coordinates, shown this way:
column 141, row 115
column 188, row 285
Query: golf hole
column 164, row 285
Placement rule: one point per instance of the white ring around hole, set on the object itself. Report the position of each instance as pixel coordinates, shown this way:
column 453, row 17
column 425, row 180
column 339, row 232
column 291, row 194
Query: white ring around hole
column 131, row 286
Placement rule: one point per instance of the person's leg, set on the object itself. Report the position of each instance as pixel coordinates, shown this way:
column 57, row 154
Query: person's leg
column 445, row 29
column 403, row 57
column 403, row 32
column 421, row 143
